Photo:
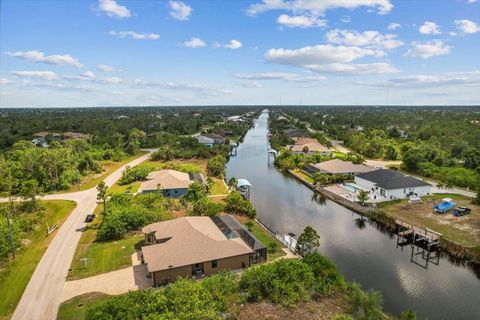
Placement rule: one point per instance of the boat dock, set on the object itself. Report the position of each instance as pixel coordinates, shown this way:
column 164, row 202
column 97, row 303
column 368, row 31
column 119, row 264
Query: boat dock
column 407, row 230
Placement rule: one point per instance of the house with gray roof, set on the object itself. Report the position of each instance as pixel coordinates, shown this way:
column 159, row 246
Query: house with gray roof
column 388, row 184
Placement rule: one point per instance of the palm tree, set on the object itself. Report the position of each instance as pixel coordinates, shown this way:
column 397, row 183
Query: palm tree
column 363, row 196
column 232, row 183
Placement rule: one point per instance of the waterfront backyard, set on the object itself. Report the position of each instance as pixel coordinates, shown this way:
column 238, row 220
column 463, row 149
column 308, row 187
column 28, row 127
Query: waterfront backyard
column 463, row 230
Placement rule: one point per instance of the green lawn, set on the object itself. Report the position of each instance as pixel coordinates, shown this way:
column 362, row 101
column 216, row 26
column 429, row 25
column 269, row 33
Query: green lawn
column 303, row 175
column 266, row 238
column 131, row 187
column 109, row 167
column 76, row 308
column 15, row 274
column 101, row 256
column 218, row 187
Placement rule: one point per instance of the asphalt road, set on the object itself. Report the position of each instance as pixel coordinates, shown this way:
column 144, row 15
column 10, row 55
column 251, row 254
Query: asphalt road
column 43, row 294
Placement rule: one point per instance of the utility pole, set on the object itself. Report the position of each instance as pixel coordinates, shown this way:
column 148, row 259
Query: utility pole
column 9, row 222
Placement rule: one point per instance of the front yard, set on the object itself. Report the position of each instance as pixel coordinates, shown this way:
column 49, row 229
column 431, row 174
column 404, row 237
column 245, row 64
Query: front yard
column 101, row 256
column 15, row 274
column 462, row 230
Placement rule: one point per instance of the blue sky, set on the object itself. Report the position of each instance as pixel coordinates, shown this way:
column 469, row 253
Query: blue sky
column 104, row 52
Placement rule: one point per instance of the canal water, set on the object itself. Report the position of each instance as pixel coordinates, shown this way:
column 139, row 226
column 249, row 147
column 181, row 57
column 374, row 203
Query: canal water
column 362, row 250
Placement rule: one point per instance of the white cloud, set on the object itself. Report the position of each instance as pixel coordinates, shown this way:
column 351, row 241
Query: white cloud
column 105, row 68
column 4, row 81
column 284, row 76
column 428, row 49
column 394, row 26
column 112, row 9
column 372, row 39
column 301, row 21
column 44, row 75
column 180, row 10
column 135, row 35
column 110, row 80
column 471, row 1
column 38, row 56
column 467, row 26
column 471, row 78
column 197, row 88
column 251, row 84
column 429, row 27
column 329, row 58
column 316, row 7
column 233, row 44
column 194, row 43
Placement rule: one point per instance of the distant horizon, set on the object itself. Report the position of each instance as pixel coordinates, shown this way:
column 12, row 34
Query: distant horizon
column 247, row 105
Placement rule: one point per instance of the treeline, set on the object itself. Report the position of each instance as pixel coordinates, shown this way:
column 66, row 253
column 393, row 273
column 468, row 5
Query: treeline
column 25, row 168
column 442, row 143
column 106, row 124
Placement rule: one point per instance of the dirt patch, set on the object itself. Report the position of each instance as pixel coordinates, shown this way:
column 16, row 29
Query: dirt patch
column 324, row 309
column 464, row 230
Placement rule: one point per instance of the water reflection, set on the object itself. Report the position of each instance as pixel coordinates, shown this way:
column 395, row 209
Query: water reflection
column 319, row 198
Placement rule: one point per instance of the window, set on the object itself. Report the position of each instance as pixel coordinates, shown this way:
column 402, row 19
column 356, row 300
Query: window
column 214, row 264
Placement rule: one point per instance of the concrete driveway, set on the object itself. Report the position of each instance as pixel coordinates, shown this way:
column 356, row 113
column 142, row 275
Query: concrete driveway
column 112, row 283
column 44, row 292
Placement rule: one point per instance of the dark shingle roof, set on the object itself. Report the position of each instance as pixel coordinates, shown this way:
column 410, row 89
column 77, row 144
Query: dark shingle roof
column 391, row 179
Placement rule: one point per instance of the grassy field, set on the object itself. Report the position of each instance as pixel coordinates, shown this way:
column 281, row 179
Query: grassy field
column 15, row 274
column 92, row 180
column 302, row 175
column 463, row 230
column 131, row 187
column 101, row 256
column 76, row 308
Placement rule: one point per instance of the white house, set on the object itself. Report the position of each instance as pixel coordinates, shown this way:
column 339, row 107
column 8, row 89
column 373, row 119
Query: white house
column 388, row 184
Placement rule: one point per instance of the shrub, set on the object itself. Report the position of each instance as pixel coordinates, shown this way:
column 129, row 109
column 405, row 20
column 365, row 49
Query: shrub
column 236, row 203
column 137, row 173
column 127, row 212
column 206, row 207
column 283, row 281
column 112, row 228
column 364, row 305
column 216, row 166
column 328, row 279
column 182, row 300
column 408, row 315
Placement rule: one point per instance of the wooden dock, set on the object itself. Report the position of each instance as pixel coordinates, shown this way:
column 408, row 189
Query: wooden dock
column 418, row 234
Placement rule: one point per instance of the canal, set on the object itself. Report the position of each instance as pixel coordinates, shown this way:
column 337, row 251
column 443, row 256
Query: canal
column 362, row 250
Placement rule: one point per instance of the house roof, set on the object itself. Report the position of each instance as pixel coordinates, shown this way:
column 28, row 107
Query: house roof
column 167, row 179
column 216, row 137
column 392, row 179
column 76, row 135
column 189, row 240
column 337, row 166
column 312, row 144
column 205, row 140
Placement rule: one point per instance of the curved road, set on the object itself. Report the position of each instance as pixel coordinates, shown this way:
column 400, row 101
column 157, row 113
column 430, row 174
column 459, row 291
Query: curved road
column 43, row 294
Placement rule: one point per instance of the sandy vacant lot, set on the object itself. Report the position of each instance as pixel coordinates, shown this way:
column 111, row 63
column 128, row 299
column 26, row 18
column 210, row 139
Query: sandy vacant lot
column 463, row 230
